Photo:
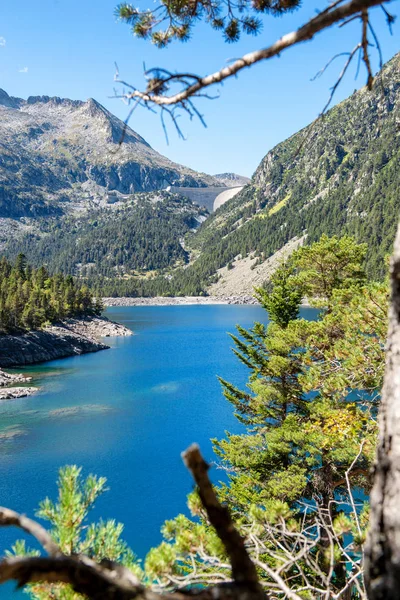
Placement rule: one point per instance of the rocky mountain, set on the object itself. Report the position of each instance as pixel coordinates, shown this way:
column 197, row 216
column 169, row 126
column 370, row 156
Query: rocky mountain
column 59, row 155
column 341, row 174
column 232, row 179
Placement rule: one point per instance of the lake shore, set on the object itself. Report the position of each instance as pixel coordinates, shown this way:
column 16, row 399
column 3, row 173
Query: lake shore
column 179, row 300
column 70, row 337
column 186, row 301
column 9, row 388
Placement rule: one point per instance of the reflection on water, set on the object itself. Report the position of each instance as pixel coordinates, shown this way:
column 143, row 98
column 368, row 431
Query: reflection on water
column 126, row 413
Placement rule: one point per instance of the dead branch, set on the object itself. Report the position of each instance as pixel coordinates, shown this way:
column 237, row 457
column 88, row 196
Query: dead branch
column 105, row 581
column 11, row 518
column 341, row 76
column 82, row 573
column 350, row 493
column 296, row 554
column 365, row 44
column 243, row 569
column 111, row 581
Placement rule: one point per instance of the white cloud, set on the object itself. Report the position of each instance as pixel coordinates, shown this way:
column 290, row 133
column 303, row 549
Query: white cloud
column 2, row 41
column 24, row 70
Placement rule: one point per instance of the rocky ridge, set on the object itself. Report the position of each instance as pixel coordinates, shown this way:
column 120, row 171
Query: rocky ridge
column 59, row 155
column 232, row 179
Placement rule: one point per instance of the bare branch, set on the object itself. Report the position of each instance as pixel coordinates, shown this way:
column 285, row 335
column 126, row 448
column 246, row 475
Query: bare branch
column 85, row 576
column 11, row 518
column 340, row 78
column 335, row 13
column 111, row 581
column 243, row 569
column 351, row 497
column 330, row 61
column 365, row 44
column 295, row 568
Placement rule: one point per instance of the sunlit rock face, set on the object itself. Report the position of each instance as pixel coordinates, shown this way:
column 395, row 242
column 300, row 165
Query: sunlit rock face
column 58, row 155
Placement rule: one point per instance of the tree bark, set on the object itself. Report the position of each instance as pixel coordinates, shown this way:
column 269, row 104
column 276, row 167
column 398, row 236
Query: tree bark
column 382, row 560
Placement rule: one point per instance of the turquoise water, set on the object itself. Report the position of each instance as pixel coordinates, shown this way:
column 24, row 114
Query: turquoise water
column 127, row 414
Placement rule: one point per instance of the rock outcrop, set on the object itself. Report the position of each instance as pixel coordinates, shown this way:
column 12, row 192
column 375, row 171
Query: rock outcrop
column 69, row 338
column 16, row 392
column 232, row 179
column 7, row 379
column 10, row 379
column 247, row 274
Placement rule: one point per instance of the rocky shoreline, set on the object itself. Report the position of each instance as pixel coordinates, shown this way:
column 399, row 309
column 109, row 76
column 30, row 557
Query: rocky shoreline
column 17, row 392
column 9, row 391
column 179, row 300
column 71, row 337
column 186, row 301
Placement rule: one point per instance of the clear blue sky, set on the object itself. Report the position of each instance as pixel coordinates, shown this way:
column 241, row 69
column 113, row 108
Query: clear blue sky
column 68, row 48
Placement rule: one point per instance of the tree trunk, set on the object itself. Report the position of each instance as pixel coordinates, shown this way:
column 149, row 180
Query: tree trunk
column 382, row 560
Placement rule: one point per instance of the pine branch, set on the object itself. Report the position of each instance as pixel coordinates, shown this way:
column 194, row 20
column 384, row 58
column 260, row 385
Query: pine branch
column 110, row 581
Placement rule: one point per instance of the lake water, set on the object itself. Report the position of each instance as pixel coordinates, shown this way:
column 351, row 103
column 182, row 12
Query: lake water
column 126, row 414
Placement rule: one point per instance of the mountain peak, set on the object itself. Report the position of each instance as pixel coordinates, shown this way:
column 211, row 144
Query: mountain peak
column 232, row 179
column 9, row 101
column 94, row 107
column 60, row 155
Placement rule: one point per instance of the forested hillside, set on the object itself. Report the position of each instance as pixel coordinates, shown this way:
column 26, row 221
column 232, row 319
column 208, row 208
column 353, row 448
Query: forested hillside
column 141, row 235
column 30, row 298
column 338, row 175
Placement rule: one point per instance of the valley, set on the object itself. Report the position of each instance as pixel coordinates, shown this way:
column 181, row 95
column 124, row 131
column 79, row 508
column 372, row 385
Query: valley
column 132, row 223
column 199, row 301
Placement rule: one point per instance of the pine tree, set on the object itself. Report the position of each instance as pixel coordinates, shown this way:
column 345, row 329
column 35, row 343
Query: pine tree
column 31, row 298
column 309, row 416
column 74, row 534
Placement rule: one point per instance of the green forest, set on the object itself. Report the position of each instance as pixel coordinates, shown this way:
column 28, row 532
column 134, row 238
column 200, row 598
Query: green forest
column 143, row 235
column 298, row 476
column 31, row 298
column 339, row 175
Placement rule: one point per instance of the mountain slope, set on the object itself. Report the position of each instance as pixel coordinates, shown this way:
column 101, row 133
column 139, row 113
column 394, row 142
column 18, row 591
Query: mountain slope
column 58, row 155
column 141, row 235
column 339, row 175
column 232, row 179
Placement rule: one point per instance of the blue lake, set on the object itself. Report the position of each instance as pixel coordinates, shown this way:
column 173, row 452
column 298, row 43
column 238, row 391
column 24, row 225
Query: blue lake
column 137, row 406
